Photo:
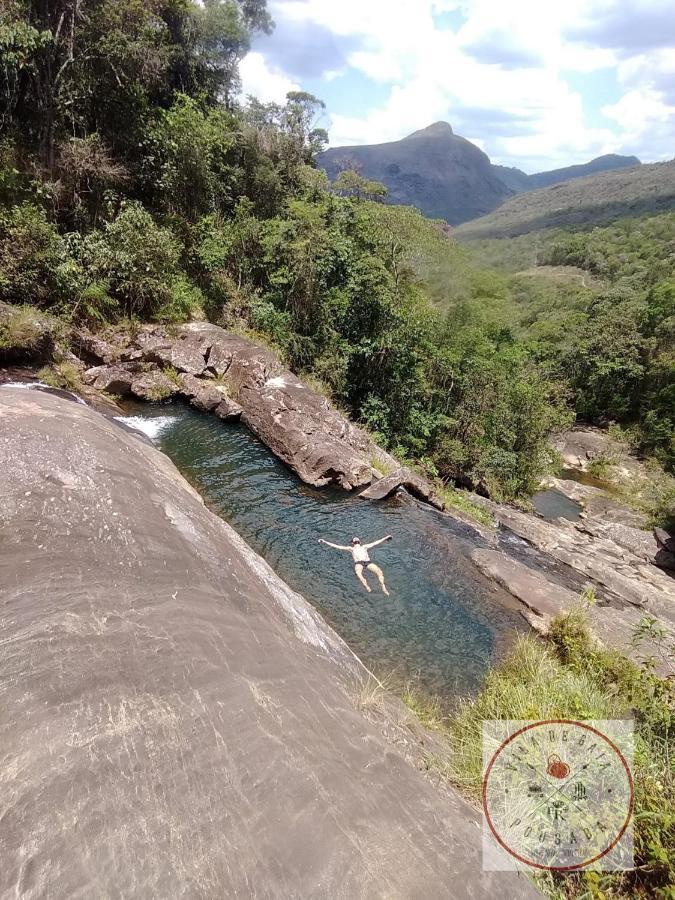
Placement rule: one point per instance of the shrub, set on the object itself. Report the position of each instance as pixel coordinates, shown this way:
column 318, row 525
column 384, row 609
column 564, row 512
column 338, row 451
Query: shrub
column 185, row 301
column 31, row 256
column 64, row 375
column 26, row 335
column 571, row 676
column 136, row 258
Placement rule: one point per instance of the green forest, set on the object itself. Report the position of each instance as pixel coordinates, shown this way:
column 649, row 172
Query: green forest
column 136, row 184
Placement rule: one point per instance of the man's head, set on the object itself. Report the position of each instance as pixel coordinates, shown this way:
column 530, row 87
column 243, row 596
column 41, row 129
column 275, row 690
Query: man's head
column 356, row 540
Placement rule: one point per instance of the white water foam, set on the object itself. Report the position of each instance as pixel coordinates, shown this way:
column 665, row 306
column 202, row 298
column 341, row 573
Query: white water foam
column 41, row 386
column 152, row 428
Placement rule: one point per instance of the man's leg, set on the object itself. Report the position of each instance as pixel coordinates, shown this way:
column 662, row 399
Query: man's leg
column 380, row 577
column 361, row 577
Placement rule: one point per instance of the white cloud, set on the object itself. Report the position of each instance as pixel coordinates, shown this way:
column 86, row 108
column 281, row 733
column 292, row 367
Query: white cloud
column 267, row 84
column 437, row 74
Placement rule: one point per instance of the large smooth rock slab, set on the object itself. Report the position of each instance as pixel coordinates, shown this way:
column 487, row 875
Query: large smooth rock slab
column 541, row 599
column 299, row 426
column 580, row 446
column 176, row 722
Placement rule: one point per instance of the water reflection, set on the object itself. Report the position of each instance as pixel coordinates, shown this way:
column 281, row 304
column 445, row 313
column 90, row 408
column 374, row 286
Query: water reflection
column 442, row 623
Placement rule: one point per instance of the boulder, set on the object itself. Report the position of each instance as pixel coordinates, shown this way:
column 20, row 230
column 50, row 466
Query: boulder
column 93, row 349
column 297, row 424
column 26, row 336
column 403, row 478
column 304, row 431
column 153, row 385
column 665, row 553
column 176, row 721
column 113, row 379
column 228, row 409
column 184, row 355
column 205, row 396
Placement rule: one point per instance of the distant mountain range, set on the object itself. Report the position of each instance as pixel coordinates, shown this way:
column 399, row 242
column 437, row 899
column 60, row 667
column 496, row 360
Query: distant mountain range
column 448, row 177
column 593, row 200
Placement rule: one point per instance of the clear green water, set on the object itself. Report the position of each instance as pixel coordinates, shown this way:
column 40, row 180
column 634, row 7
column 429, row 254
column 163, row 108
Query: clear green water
column 442, row 625
column 552, row 505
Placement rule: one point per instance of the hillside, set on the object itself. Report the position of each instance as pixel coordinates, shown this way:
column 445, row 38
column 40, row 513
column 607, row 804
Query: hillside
column 442, row 174
column 446, row 176
column 605, row 163
column 583, row 201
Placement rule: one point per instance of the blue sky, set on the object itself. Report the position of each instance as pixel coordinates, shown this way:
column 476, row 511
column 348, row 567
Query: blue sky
column 537, row 85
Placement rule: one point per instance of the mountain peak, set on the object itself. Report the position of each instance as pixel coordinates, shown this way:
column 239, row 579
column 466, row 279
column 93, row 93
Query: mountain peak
column 438, row 129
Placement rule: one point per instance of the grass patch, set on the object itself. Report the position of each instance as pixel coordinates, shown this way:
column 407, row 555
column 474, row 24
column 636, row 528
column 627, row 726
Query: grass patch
column 172, row 375
column 381, row 466
column 603, row 466
column 64, row 375
column 27, row 334
column 571, row 676
column 458, row 500
column 650, row 490
column 371, row 693
column 427, row 710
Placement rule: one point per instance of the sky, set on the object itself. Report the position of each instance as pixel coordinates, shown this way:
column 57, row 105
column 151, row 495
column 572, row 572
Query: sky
column 535, row 84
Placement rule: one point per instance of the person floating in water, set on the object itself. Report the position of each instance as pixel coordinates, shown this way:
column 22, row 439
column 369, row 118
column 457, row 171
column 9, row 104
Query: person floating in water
column 362, row 560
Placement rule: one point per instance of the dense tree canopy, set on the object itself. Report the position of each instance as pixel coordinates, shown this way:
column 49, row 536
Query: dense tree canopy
column 136, row 183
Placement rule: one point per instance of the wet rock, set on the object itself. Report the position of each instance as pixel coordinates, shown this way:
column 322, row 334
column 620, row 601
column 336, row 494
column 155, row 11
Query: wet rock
column 176, row 722
column 113, row 379
column 403, row 478
column 541, row 599
column 153, row 385
column 228, row 409
column 665, row 553
column 618, row 571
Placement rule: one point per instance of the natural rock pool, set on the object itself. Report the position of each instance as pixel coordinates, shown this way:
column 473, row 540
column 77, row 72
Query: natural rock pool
column 552, row 504
column 444, row 622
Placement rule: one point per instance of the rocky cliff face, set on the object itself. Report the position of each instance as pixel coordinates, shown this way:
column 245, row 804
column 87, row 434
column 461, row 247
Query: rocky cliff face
column 232, row 377
column 176, row 721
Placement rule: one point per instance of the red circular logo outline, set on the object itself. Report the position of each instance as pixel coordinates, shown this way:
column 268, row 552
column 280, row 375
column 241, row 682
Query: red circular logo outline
column 498, row 837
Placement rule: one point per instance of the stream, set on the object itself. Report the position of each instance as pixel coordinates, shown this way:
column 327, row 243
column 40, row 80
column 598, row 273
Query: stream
column 444, row 623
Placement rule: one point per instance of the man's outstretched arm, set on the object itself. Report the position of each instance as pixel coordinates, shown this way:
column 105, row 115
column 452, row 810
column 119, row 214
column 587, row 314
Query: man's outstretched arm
column 376, row 543
column 334, row 546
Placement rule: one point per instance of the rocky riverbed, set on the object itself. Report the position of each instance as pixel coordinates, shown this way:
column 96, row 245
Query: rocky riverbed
column 629, row 568
column 176, row 721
